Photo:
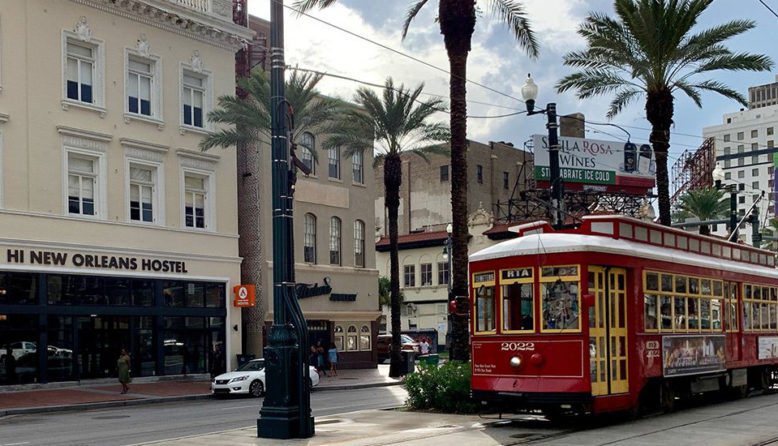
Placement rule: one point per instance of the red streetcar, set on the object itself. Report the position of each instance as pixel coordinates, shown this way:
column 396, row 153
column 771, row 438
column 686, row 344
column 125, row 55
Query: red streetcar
column 619, row 314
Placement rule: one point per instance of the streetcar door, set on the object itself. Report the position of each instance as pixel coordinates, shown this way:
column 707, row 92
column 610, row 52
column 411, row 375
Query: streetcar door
column 608, row 330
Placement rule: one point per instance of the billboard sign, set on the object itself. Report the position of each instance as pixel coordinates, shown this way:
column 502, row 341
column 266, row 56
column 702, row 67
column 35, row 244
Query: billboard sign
column 689, row 355
column 612, row 164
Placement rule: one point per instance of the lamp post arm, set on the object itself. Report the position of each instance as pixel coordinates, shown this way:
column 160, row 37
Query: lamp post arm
column 747, row 215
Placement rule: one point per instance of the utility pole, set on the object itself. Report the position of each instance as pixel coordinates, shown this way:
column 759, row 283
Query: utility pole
column 286, row 411
column 553, row 153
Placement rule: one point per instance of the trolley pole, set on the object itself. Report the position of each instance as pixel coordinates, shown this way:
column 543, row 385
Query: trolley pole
column 286, row 411
column 553, row 153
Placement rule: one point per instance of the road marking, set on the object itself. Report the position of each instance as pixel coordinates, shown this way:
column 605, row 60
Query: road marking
column 15, row 444
column 237, row 407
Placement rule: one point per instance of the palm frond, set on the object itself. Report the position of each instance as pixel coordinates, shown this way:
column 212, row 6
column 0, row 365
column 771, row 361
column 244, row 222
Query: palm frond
column 306, row 5
column 594, row 82
column 513, row 14
column 690, row 91
column 721, row 89
column 623, row 98
column 413, row 11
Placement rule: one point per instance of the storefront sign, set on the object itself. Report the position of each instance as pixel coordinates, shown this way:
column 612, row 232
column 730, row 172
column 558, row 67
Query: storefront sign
column 689, row 355
column 303, row 290
column 768, row 347
column 244, row 296
column 343, row 297
column 81, row 260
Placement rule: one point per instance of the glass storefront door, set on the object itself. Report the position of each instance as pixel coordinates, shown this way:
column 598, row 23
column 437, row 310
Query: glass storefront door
column 100, row 340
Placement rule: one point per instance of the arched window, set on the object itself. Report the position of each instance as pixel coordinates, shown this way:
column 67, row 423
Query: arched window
column 359, row 243
column 364, row 338
column 351, row 339
column 339, row 338
column 335, row 241
column 309, row 249
column 308, row 143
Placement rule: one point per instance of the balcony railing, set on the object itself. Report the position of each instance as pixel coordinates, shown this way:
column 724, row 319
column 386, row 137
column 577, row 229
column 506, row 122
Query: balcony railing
column 199, row 5
column 221, row 8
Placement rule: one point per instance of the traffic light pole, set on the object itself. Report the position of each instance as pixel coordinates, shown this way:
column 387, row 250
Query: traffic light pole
column 286, row 410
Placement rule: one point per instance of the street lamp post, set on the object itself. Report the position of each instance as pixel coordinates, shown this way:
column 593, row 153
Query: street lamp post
column 286, row 410
column 529, row 91
column 718, row 178
column 447, row 257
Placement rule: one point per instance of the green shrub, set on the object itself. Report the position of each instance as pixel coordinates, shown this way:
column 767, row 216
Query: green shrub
column 445, row 388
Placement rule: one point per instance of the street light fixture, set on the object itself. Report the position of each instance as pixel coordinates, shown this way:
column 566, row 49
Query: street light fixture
column 529, row 92
column 718, row 178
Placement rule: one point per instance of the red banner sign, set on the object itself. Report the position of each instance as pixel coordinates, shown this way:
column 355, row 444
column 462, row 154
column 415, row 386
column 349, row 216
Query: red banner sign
column 244, row 296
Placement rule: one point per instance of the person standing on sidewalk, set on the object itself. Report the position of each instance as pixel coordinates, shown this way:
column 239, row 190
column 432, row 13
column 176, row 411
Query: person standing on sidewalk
column 332, row 354
column 123, row 366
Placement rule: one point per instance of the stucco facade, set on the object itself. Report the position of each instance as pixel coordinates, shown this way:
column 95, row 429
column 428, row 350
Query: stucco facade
column 102, row 108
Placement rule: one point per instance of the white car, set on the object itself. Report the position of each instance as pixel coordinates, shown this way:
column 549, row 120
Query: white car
column 248, row 379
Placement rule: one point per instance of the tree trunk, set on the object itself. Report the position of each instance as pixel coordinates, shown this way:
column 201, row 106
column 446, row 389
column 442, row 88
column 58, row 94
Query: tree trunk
column 659, row 112
column 457, row 22
column 250, row 244
column 392, row 181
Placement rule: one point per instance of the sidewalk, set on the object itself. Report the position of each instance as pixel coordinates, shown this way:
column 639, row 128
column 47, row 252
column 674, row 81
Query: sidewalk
column 95, row 395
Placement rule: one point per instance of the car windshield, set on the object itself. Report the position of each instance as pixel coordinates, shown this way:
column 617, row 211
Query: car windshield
column 405, row 339
column 251, row 366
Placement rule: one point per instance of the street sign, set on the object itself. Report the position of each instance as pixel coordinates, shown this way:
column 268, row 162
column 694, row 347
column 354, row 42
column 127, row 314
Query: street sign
column 244, row 296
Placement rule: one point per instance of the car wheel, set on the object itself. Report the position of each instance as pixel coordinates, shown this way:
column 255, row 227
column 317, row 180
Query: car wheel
column 256, row 389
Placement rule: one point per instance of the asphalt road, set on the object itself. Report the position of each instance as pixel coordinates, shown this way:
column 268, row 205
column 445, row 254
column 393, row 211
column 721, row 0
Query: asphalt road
column 144, row 423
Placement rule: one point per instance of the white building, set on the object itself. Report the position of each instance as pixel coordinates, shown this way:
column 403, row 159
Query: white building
column 744, row 145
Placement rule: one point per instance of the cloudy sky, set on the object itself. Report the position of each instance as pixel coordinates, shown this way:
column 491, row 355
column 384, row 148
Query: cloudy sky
column 496, row 61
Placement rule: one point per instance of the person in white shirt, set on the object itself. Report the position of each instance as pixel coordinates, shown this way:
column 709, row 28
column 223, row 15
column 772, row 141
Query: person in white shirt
column 424, row 346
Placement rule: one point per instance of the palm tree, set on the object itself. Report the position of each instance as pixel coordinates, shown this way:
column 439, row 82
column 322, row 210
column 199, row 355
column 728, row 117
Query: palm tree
column 705, row 203
column 770, row 231
column 393, row 124
column 649, row 50
column 247, row 127
column 457, row 20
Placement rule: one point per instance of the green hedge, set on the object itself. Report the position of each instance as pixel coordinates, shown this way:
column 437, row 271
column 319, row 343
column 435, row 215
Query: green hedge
column 445, row 388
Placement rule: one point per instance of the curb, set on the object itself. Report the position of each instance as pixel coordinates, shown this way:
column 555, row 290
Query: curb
column 156, row 400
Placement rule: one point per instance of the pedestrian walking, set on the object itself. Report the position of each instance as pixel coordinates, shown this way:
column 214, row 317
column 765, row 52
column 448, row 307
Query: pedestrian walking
column 323, row 363
column 424, row 346
column 332, row 355
column 123, row 366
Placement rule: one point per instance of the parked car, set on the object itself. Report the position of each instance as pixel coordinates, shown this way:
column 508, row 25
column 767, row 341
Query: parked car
column 384, row 344
column 18, row 349
column 248, row 379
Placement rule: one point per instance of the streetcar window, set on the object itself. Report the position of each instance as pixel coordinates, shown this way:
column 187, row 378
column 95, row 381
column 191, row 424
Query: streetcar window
column 683, row 242
column 705, row 318
column 692, row 307
column 484, row 306
column 517, row 307
column 705, row 287
column 717, row 290
column 772, row 317
column 656, row 237
column 694, row 285
column 715, row 315
column 772, row 294
column 680, row 284
column 705, row 247
column 652, row 281
column 666, row 309
column 717, row 250
column 694, row 245
column 747, row 294
column 625, row 230
column 756, row 293
column 650, row 311
column 756, row 317
column 727, row 254
column 560, row 305
column 670, row 240
column 746, row 315
column 679, row 323
column 641, row 233
column 667, row 282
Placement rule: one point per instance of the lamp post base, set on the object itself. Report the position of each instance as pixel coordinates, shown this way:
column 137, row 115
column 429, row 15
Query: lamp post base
column 282, row 423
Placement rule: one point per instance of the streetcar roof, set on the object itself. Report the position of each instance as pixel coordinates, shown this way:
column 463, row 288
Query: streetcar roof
column 562, row 242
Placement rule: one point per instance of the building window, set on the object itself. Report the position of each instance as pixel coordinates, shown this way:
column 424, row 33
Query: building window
column 770, row 170
column 728, row 176
column 741, row 186
column 196, row 195
column 309, row 249
column 741, row 148
column 443, row 273
column 770, row 143
column 726, row 137
column 754, row 159
column 727, row 163
column 443, row 173
column 769, row 131
column 409, row 272
column 741, row 162
column 741, row 199
column 479, row 173
column 357, row 170
column 359, row 243
column 335, row 241
column 334, row 162
column 82, row 184
column 194, row 97
column 740, row 136
column 80, row 71
column 339, row 338
column 426, row 274
column 755, row 185
column 309, row 145
column 142, row 193
column 754, row 172
column 754, row 146
column 754, row 133
column 505, row 180
column 351, row 339
column 741, row 174
column 727, row 150
column 140, row 80
column 364, row 338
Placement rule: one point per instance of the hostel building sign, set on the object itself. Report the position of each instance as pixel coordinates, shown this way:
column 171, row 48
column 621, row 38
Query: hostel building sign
column 95, row 261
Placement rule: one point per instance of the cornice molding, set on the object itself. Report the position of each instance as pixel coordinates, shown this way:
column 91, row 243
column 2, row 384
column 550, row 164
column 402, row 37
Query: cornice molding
column 4, row 117
column 85, row 134
column 171, row 17
column 137, row 144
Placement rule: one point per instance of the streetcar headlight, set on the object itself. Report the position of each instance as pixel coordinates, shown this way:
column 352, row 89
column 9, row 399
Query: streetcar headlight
column 515, row 362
